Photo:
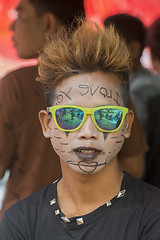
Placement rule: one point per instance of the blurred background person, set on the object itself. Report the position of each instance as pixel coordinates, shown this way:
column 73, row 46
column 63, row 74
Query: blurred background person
column 23, row 148
column 153, row 42
column 152, row 174
column 143, row 85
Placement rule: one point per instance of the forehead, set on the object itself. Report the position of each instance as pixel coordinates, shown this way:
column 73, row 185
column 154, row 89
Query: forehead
column 25, row 6
column 93, row 78
column 96, row 86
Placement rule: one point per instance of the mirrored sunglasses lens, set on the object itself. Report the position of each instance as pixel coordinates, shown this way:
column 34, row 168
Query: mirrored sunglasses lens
column 108, row 119
column 69, row 118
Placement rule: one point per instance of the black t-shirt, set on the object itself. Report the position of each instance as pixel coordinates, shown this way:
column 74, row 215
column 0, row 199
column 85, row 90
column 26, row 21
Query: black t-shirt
column 132, row 215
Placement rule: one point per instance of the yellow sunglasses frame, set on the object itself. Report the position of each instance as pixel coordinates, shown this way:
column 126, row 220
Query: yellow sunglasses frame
column 87, row 111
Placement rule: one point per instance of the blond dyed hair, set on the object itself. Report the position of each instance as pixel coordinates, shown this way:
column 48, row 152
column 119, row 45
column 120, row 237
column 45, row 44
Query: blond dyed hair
column 86, row 49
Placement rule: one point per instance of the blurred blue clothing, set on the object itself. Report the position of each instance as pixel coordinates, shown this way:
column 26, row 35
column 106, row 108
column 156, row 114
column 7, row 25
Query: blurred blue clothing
column 144, row 86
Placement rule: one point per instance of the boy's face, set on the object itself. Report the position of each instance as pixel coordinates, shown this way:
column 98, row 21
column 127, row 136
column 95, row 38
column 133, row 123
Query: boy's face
column 29, row 30
column 87, row 150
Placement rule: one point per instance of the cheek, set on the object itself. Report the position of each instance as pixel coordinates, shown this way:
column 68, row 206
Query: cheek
column 60, row 142
column 114, row 143
column 22, row 28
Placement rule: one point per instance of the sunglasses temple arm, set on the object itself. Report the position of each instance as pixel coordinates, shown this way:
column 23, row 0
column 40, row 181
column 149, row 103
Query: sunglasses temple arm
column 48, row 111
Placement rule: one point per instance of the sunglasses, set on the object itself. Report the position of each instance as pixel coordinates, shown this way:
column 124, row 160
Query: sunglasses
column 70, row 118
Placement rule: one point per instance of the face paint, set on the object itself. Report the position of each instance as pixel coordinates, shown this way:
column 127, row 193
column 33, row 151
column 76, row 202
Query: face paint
column 62, row 95
column 87, row 167
column 56, row 137
column 105, row 135
column 67, row 133
column 88, row 150
column 64, row 143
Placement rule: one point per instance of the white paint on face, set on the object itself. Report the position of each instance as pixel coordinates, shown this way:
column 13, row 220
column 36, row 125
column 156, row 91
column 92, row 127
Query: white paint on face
column 87, row 150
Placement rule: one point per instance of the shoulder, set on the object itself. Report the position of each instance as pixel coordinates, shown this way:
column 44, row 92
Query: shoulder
column 148, row 191
column 19, row 82
column 21, row 219
column 149, row 205
column 144, row 196
column 31, row 205
column 34, row 201
column 142, row 203
column 20, row 73
column 23, row 216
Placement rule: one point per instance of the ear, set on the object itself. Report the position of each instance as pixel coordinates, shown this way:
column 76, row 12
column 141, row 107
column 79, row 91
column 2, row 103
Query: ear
column 44, row 119
column 128, row 124
column 51, row 24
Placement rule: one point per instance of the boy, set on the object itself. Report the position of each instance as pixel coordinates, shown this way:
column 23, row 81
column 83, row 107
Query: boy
column 85, row 75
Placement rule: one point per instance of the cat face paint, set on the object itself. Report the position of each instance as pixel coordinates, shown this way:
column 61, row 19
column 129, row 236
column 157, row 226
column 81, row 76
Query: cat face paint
column 88, row 150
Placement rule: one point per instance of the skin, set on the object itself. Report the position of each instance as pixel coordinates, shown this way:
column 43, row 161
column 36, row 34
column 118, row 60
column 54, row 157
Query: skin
column 82, row 173
column 30, row 30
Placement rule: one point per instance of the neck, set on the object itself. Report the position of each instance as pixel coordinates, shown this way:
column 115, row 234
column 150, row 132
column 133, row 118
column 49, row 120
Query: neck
column 82, row 194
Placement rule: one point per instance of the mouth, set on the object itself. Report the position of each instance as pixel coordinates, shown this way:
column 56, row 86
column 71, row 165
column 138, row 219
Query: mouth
column 87, row 153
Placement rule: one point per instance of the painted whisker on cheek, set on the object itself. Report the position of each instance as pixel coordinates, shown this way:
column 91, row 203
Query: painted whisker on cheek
column 114, row 137
column 64, row 143
column 119, row 141
column 123, row 133
column 59, row 150
column 118, row 149
column 57, row 137
column 120, row 137
column 114, row 150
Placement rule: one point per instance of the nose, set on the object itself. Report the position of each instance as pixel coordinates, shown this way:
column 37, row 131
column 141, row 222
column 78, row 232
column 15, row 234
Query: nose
column 88, row 130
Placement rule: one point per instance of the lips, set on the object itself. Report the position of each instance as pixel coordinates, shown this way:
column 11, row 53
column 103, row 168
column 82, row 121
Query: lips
column 87, row 153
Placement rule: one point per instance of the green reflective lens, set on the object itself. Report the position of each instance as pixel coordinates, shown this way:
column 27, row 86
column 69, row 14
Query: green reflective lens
column 108, row 119
column 69, row 118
